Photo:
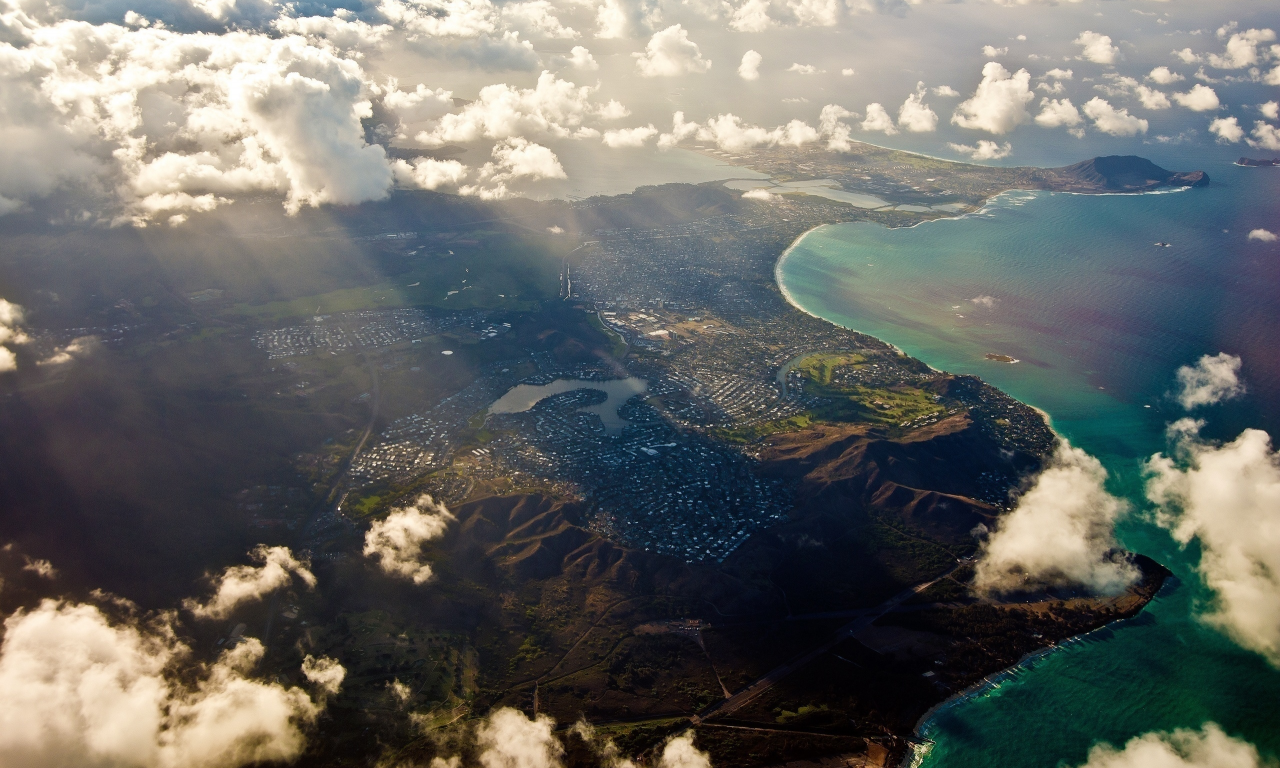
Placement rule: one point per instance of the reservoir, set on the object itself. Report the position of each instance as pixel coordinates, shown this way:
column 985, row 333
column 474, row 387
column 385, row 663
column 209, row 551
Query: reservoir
column 1099, row 317
column 522, row 397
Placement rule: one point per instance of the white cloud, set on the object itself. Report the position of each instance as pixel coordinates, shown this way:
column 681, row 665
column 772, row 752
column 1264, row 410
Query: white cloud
column 749, row 69
column 1242, row 49
column 422, row 103
column 1270, row 110
column 1097, row 48
column 759, row 15
column 849, row 72
column 80, row 690
column 1164, row 76
column 878, row 119
column 536, row 17
column 1212, row 379
column 984, row 150
column 1227, row 497
column 1201, row 98
column 83, row 344
column 915, row 116
column 1227, row 129
column 731, row 134
column 991, row 52
column 11, row 333
column 429, row 173
column 1208, row 747
column 327, row 674
column 679, row 752
column 670, row 53
column 1265, row 137
column 40, row 567
column 1055, row 113
column 831, row 124
column 396, row 542
column 1000, row 102
column 803, row 69
column 629, row 137
column 240, row 584
column 1153, row 99
column 945, row 90
column 759, row 194
column 1059, row 74
column 464, row 19
column 751, row 16
column 1061, row 532
column 1262, row 235
column 508, row 739
column 1188, row 56
column 581, row 58
column 345, row 34
column 553, row 108
column 1108, row 119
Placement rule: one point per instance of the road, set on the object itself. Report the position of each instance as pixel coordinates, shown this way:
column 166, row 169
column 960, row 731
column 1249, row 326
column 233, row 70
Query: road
column 746, row 695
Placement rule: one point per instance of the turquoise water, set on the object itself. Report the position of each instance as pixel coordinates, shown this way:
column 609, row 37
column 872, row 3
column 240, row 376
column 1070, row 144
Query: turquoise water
column 1099, row 318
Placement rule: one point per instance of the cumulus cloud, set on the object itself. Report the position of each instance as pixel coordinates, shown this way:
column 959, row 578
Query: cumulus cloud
column 1060, row 533
column 1057, row 112
column 1270, row 110
column 1108, row 119
column 1242, row 49
column 11, row 333
column 1262, row 235
column 581, row 58
column 417, row 105
column 803, row 69
column 878, row 119
column 915, row 116
column 75, row 348
column 670, row 53
column 1227, row 129
column 1227, row 496
column 429, row 173
column 1000, row 102
column 679, row 752
column 536, row 17
column 983, row 150
column 1201, row 98
column 396, row 541
column 240, row 584
column 749, row 69
column 1265, row 136
column 831, row 124
column 508, row 739
column 1208, row 747
column 759, row 15
column 553, row 108
column 1212, row 379
column 945, row 90
column 759, row 194
column 991, row 52
column 629, row 137
column 1188, row 56
column 82, row 690
column 730, row 133
column 1164, row 76
column 1097, row 48
column 1153, row 99
column 325, row 673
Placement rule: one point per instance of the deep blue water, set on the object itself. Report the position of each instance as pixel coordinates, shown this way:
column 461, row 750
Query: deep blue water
column 1100, row 318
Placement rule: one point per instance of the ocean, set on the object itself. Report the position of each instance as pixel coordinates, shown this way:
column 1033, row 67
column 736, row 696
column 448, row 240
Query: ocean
column 1099, row 313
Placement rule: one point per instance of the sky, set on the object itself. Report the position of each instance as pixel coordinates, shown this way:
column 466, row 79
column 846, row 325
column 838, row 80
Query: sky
column 146, row 112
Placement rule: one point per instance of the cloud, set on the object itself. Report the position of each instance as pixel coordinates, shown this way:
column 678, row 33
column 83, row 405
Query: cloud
column 1262, row 235
column 1153, row 99
column 73, row 349
column 429, row 173
column 1201, row 98
column 629, row 137
column 803, row 69
column 1055, row 113
column 671, row 53
column 984, row 150
column 327, row 674
column 1265, row 137
column 759, row 194
column 759, row 15
column 508, row 739
column 82, row 690
column 1108, row 119
column 679, row 752
column 11, row 333
column 1060, row 533
column 991, row 52
column 1270, row 110
column 915, row 116
column 1242, row 49
column 581, row 58
column 945, row 90
column 1097, row 48
column 536, row 17
column 1212, row 379
column 1227, row 129
column 749, row 69
column 878, row 120
column 553, row 108
column 1164, row 76
column 1208, row 747
column 730, row 133
column 240, row 584
column 1000, row 102
column 1227, row 496
column 849, row 72
column 984, row 301
column 1188, row 56
column 396, row 541
column 831, row 124
column 40, row 567
column 417, row 105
